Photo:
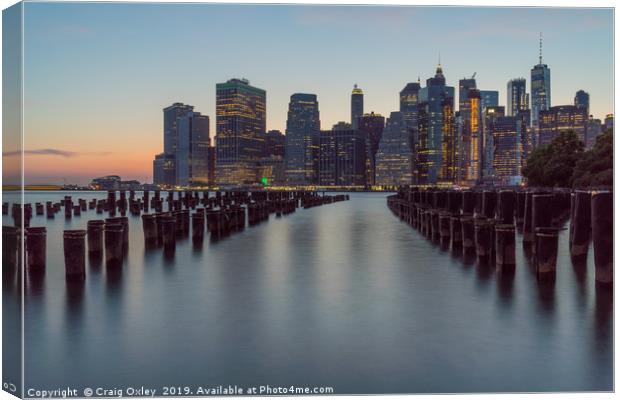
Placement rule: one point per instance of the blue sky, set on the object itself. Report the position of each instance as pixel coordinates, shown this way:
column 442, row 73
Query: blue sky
column 99, row 74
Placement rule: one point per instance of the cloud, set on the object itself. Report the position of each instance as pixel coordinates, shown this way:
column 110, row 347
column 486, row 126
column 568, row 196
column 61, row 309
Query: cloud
column 52, row 152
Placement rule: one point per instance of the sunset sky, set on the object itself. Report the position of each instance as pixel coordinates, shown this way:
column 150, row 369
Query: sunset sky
column 98, row 75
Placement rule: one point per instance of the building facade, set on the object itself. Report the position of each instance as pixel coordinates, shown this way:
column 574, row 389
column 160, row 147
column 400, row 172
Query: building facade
column 240, row 132
column 541, row 88
column 430, row 128
column 342, row 157
column 561, row 119
column 394, row 156
column 192, row 152
column 371, row 125
column 517, row 97
column 490, row 114
column 582, row 100
column 302, row 139
column 506, row 150
column 357, row 105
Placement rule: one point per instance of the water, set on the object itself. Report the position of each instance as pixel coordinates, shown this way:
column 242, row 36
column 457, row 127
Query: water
column 342, row 295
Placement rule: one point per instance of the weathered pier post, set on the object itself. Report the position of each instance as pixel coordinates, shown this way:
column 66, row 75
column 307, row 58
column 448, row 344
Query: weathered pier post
column 94, row 234
column 169, row 234
column 542, row 216
column 520, row 210
column 36, row 249
column 468, row 234
column 602, row 236
column 505, row 259
column 145, row 199
column 506, row 207
column 10, row 245
column 482, row 237
column 546, row 252
column 580, row 226
column 198, row 227
column 111, row 202
column 68, row 207
column 528, row 232
column 113, row 235
column 75, row 254
column 149, row 227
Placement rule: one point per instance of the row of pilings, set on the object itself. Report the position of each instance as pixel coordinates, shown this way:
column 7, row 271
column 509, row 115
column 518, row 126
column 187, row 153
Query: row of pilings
column 484, row 224
column 107, row 239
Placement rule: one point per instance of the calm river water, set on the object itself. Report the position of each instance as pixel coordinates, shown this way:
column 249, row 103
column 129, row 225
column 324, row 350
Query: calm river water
column 343, row 295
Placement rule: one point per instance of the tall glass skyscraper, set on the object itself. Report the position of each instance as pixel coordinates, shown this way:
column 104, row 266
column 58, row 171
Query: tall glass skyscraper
column 302, row 139
column 371, row 125
column 506, row 150
column 409, row 99
column 357, row 106
column 488, row 98
column 192, row 154
column 342, row 157
column 171, row 115
column 240, row 130
column 541, row 88
column 394, row 157
column 582, row 100
column 517, row 97
column 430, row 127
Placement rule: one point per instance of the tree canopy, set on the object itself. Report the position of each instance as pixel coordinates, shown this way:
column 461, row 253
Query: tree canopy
column 596, row 166
column 552, row 165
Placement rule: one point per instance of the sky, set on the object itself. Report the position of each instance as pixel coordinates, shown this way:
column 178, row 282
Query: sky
column 97, row 75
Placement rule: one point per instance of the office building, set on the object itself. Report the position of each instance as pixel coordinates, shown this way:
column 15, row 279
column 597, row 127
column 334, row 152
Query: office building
column 490, row 114
column 302, row 139
column 541, row 87
column 371, row 125
column 192, row 150
column 394, row 156
column 275, row 143
column 517, row 97
column 488, row 98
column 594, row 129
column 357, row 106
column 430, row 128
column 506, row 150
column 164, row 171
column 560, row 119
column 582, row 100
column 342, row 157
column 240, row 132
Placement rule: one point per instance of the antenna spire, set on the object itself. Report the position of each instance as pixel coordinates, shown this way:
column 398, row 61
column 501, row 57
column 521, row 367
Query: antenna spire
column 540, row 49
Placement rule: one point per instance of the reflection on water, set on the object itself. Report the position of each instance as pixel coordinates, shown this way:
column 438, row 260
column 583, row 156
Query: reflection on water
column 341, row 295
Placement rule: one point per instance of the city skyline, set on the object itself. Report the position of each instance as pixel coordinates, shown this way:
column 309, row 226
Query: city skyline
column 133, row 116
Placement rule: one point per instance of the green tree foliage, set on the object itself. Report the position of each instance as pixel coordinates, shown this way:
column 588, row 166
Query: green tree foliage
column 553, row 164
column 595, row 168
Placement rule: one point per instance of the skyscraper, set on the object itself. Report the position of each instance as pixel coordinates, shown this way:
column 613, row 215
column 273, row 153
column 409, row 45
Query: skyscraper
column 240, row 131
column 342, row 157
column 560, row 119
column 582, row 100
column 470, row 152
column 394, row 157
column 430, row 127
column 409, row 99
column 357, row 105
column 449, row 143
column 506, row 150
column 302, row 139
column 518, row 99
column 371, row 125
column 274, row 144
column 490, row 114
column 171, row 115
column 192, row 153
column 488, row 98
column 609, row 122
column 164, row 171
column 593, row 131
column 541, row 87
